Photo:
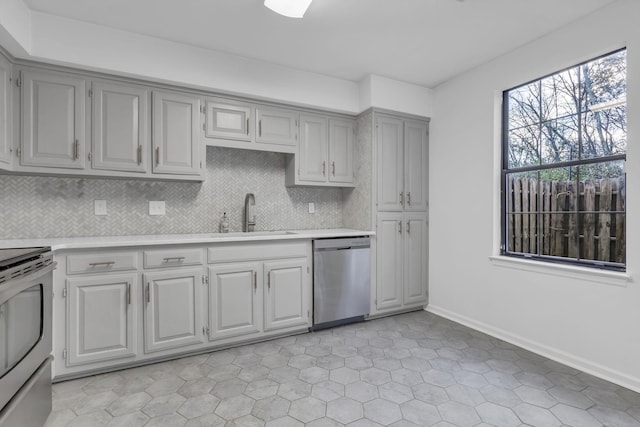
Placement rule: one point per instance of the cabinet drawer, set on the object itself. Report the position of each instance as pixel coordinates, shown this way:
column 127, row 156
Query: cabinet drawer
column 102, row 262
column 172, row 258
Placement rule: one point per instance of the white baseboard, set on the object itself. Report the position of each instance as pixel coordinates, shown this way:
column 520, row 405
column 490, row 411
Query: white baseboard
column 560, row 356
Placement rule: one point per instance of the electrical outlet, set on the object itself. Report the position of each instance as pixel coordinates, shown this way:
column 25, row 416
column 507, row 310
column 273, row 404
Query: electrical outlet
column 100, row 207
column 156, row 207
column 312, row 208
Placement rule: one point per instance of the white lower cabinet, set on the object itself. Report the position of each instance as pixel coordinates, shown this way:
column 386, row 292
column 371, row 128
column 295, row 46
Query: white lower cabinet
column 234, row 300
column 285, row 299
column 101, row 318
column 401, row 252
column 126, row 306
column 172, row 309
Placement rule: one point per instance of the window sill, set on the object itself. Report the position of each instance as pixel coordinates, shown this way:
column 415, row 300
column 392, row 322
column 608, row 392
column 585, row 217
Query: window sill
column 573, row 272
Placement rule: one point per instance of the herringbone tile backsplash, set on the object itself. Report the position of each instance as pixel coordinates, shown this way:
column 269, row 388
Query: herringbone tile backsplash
column 36, row 207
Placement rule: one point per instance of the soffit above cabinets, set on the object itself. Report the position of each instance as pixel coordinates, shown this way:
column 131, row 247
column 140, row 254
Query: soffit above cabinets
column 423, row 42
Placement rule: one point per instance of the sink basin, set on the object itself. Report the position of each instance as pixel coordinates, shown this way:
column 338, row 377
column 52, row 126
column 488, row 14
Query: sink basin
column 253, row 233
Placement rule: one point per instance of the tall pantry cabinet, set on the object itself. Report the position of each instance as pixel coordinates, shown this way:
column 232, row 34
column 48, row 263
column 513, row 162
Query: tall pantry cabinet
column 400, row 211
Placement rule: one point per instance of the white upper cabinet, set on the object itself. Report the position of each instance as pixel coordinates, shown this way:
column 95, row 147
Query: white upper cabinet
column 402, row 164
column 390, row 163
column 341, row 143
column 325, row 153
column 416, row 153
column 6, row 149
column 276, row 126
column 314, row 144
column 176, row 142
column 53, row 120
column 228, row 120
column 120, row 127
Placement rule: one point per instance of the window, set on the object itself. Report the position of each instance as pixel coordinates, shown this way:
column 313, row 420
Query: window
column 563, row 166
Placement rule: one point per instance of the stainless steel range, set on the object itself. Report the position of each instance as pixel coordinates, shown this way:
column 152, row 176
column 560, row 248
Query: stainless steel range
column 25, row 336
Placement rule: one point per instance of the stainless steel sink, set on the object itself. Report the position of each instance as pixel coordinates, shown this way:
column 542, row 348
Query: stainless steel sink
column 253, row 234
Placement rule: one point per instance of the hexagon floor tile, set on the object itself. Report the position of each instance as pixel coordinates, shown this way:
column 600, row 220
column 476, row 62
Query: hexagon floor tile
column 404, row 370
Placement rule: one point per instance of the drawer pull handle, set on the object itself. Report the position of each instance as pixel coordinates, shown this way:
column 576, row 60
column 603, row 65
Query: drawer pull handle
column 173, row 258
column 129, row 293
column 105, row 263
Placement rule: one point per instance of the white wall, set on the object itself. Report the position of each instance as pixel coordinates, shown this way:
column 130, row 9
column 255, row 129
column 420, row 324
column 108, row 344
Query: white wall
column 43, row 37
column 580, row 318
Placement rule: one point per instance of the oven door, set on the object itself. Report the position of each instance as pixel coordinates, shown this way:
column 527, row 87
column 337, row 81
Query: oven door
column 25, row 329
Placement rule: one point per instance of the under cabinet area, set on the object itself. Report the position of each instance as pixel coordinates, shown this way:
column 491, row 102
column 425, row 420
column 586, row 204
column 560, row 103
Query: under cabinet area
column 125, row 306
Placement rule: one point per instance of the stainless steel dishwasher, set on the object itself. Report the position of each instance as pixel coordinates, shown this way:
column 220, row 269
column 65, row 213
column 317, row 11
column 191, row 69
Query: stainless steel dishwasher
column 341, row 281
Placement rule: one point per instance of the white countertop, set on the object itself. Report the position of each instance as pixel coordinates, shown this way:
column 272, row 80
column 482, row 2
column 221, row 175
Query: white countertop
column 60, row 243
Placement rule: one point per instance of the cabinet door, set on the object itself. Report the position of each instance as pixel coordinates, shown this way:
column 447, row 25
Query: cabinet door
column 101, row 317
column 172, row 309
column 276, row 126
column 120, row 127
column 416, row 170
column 341, row 142
column 389, row 234
column 313, row 149
column 233, row 300
column 5, row 114
column 286, row 294
column 415, row 259
column 228, row 121
column 53, row 120
column 390, row 163
column 175, row 133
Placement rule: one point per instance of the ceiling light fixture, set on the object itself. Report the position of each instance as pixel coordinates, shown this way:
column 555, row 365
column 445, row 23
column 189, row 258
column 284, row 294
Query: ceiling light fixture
column 289, row 8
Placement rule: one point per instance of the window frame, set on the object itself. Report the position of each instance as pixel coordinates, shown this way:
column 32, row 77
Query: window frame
column 505, row 170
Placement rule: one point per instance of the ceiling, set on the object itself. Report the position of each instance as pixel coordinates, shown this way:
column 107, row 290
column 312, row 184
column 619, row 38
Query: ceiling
column 424, row 42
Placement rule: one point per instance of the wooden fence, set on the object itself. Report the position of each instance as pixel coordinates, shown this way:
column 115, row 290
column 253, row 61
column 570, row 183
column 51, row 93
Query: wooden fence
column 543, row 218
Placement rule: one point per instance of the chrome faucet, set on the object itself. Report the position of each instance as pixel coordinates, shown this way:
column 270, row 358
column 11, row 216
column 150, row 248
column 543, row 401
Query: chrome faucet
column 249, row 215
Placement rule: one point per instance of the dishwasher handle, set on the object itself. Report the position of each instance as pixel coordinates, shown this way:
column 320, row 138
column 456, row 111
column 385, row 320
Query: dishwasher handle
column 320, row 245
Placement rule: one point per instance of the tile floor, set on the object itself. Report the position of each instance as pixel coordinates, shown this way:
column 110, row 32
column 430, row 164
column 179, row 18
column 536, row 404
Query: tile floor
column 405, row 370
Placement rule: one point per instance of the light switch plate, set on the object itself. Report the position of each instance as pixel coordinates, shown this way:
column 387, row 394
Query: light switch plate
column 312, row 208
column 100, row 207
column 156, row 207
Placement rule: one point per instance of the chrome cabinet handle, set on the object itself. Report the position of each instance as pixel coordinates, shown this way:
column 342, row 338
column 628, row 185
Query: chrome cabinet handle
column 409, row 198
column 269, row 280
column 76, row 149
column 408, row 227
column 247, row 126
column 255, row 280
column 400, row 227
column 157, row 156
column 139, row 154
column 129, row 293
column 148, row 293
column 260, row 128
column 333, row 168
column 105, row 263
column 324, row 168
column 401, row 197
column 173, row 258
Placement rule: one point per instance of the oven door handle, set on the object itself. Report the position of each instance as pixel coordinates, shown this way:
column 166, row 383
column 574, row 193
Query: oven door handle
column 13, row 287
